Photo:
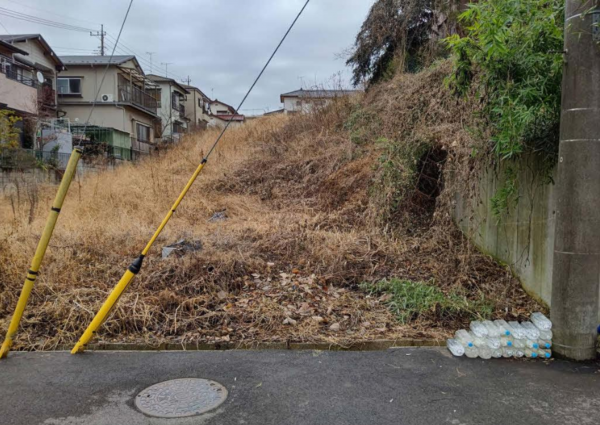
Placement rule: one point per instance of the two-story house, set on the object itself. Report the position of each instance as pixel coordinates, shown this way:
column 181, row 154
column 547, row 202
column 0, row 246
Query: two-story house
column 125, row 111
column 171, row 108
column 221, row 113
column 196, row 108
column 41, row 64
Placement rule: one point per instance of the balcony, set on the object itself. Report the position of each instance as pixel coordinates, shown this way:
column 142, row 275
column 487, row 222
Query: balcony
column 137, row 97
column 15, row 73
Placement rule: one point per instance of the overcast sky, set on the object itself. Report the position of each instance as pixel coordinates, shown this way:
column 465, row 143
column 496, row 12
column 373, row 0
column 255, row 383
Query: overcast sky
column 220, row 44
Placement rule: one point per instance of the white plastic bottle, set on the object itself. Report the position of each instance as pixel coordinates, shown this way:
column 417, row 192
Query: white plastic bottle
column 493, row 330
column 497, row 353
column 544, row 345
column 455, row 347
column 493, row 343
column 508, row 352
column 507, row 341
column 478, row 329
column 464, row 338
column 503, row 326
column 530, row 330
column 532, row 354
column 519, row 343
column 517, row 330
column 546, row 335
column 544, row 354
column 485, row 352
column 541, row 321
column 472, row 352
column 532, row 344
column 477, row 341
column 519, row 353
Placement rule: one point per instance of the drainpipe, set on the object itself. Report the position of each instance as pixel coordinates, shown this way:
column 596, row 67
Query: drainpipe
column 576, row 265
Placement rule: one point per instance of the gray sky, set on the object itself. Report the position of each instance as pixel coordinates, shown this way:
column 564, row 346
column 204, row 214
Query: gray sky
column 220, row 44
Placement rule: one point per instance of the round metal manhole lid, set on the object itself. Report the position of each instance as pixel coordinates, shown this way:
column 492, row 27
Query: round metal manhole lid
column 181, row 398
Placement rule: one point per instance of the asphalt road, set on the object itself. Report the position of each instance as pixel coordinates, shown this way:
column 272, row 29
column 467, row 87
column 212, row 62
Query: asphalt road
column 397, row 386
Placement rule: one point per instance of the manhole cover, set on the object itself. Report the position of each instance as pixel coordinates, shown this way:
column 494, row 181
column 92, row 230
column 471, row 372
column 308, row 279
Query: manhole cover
column 180, row 398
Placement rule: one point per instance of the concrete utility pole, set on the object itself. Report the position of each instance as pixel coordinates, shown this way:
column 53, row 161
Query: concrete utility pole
column 576, row 269
column 100, row 34
column 151, row 67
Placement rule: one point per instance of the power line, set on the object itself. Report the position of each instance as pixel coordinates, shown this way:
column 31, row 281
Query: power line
column 5, row 29
column 37, row 20
column 21, row 4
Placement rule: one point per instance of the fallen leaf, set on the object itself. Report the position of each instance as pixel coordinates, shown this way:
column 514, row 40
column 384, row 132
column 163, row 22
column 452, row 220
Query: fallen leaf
column 335, row 327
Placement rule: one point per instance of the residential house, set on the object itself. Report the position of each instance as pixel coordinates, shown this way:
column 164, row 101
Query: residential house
column 121, row 97
column 28, row 85
column 221, row 113
column 196, row 108
column 171, row 108
column 307, row 100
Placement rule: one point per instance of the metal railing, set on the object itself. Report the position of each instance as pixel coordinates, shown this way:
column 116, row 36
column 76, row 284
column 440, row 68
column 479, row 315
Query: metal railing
column 138, row 97
column 14, row 72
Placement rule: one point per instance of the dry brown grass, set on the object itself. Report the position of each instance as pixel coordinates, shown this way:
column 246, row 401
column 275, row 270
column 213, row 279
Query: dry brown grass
column 301, row 234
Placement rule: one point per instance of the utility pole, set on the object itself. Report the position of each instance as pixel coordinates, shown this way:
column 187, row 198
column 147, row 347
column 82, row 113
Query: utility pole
column 187, row 80
column 100, row 34
column 151, row 67
column 576, row 266
column 166, row 64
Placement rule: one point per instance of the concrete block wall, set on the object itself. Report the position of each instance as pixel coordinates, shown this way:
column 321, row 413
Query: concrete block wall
column 524, row 240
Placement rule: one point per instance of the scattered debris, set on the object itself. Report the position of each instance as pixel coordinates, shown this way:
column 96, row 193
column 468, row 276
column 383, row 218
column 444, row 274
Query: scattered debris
column 218, row 216
column 181, row 247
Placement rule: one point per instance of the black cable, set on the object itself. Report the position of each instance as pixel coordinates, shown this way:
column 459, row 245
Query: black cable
column 256, row 81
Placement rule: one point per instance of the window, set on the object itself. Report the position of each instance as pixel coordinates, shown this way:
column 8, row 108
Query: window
column 200, row 105
column 68, row 85
column 143, row 133
column 175, row 101
column 222, row 112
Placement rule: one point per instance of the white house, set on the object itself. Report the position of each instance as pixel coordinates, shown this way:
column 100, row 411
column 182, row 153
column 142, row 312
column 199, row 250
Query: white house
column 306, row 100
column 221, row 113
column 196, row 108
column 171, row 108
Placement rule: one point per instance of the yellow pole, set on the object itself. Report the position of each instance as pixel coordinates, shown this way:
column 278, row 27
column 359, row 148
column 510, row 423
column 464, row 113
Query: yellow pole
column 133, row 269
column 32, row 273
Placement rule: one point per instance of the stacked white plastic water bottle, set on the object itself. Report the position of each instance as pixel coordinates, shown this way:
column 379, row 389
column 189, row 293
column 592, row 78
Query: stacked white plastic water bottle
column 499, row 338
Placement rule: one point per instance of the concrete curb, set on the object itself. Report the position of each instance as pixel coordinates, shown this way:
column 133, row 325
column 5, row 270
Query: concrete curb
column 375, row 345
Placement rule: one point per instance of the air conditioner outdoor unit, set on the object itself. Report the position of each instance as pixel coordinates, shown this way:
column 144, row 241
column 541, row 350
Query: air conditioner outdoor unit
column 107, row 97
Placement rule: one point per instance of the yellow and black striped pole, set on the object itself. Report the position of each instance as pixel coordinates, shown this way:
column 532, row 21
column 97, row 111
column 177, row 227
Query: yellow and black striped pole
column 33, row 271
column 136, row 266
column 131, row 271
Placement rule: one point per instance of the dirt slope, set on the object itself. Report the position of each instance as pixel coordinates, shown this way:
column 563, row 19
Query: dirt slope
column 308, row 219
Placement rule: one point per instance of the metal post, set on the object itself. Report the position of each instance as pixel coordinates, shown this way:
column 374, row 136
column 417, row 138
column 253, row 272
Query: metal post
column 576, row 267
column 33, row 271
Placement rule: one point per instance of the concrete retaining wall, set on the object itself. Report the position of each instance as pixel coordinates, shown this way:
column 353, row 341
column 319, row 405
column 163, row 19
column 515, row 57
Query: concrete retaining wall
column 525, row 239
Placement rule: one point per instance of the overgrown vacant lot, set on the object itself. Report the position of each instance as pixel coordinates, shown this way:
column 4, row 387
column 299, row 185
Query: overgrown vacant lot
column 337, row 229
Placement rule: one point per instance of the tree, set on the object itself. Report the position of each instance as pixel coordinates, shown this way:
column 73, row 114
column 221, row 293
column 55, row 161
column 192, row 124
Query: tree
column 9, row 133
column 393, row 30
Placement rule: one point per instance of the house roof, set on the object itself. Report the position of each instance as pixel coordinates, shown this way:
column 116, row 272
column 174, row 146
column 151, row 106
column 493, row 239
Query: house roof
column 17, row 38
column 192, row 88
column 160, row 79
column 231, row 108
column 318, row 94
column 12, row 48
column 97, row 60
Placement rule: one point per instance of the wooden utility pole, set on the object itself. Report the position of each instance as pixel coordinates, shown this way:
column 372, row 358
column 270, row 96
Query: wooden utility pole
column 576, row 266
